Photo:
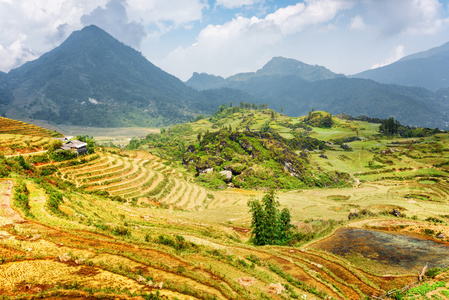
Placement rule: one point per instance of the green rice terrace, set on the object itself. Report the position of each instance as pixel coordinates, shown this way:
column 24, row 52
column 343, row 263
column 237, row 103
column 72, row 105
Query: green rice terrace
column 185, row 213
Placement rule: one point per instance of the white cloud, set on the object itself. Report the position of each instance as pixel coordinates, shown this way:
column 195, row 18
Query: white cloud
column 397, row 54
column 357, row 23
column 114, row 19
column 30, row 28
column 41, row 25
column 407, row 16
column 243, row 43
column 231, row 4
column 166, row 14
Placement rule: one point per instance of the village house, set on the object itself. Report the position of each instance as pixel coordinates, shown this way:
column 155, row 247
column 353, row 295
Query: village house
column 75, row 145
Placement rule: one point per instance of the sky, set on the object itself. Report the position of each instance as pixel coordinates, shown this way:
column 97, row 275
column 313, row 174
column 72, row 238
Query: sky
column 225, row 37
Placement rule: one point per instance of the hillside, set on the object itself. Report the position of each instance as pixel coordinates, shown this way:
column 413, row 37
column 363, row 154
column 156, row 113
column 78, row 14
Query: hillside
column 93, row 79
column 411, row 106
column 205, row 81
column 277, row 66
column 287, row 66
column 428, row 69
column 131, row 225
column 18, row 137
column 296, row 88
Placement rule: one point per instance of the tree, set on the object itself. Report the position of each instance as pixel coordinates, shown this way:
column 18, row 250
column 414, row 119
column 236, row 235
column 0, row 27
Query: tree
column 54, row 145
column 89, row 140
column 389, row 126
column 328, row 122
column 270, row 227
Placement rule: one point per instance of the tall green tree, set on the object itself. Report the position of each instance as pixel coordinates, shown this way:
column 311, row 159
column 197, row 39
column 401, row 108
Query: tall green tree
column 389, row 126
column 270, row 226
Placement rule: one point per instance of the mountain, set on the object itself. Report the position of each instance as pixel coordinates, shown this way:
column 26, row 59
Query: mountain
column 298, row 88
column 411, row 106
column 5, row 94
column 287, row 66
column 93, row 79
column 276, row 66
column 205, row 81
column 428, row 69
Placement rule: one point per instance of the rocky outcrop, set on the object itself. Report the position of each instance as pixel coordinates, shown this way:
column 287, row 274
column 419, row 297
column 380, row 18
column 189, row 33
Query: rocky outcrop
column 205, row 171
column 227, row 175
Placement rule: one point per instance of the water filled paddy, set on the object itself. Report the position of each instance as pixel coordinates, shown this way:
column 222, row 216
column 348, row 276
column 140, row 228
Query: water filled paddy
column 397, row 251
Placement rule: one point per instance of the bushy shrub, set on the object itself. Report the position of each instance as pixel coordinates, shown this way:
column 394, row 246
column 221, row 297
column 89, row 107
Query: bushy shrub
column 48, row 170
column 121, row 231
column 433, row 272
column 21, row 199
column 61, row 155
column 179, row 242
column 39, row 158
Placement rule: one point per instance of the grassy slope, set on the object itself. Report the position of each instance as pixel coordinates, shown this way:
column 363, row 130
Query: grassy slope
column 89, row 227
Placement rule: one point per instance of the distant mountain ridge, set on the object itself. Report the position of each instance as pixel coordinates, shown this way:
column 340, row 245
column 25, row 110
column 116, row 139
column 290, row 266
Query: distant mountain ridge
column 205, row 81
column 92, row 79
column 428, row 69
column 276, row 66
column 287, row 66
column 297, row 88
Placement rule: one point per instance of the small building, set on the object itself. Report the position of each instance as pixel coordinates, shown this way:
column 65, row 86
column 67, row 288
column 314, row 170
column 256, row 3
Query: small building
column 75, row 145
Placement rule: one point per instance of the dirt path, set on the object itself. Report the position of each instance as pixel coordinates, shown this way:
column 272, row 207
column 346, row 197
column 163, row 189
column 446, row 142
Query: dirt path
column 7, row 214
column 356, row 181
column 26, row 154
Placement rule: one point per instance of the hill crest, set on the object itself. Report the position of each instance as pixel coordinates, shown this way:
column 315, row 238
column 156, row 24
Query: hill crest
column 428, row 69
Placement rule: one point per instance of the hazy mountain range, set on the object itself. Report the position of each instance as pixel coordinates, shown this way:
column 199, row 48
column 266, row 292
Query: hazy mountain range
column 428, row 69
column 93, row 79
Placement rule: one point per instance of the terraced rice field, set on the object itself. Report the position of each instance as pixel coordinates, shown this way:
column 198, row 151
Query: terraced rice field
column 18, row 127
column 18, row 137
column 76, row 254
column 146, row 178
column 20, row 144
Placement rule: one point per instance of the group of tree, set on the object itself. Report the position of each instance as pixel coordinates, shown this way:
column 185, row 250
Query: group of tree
column 252, row 106
column 391, row 126
column 269, row 225
column 319, row 119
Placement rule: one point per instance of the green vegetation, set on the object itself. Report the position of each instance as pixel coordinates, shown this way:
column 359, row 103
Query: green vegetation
column 270, row 226
column 392, row 127
column 132, row 218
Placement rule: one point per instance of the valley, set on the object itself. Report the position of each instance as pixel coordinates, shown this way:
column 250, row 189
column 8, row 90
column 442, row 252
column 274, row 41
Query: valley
column 140, row 223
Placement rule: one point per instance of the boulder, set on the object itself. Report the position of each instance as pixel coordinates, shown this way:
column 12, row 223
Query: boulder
column 323, row 156
column 205, row 171
column 191, row 149
column 440, row 236
column 227, row 174
column 288, row 167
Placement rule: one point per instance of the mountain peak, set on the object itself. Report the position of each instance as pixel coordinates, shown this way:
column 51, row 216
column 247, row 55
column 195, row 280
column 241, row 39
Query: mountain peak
column 92, row 78
column 205, row 81
column 281, row 66
column 428, row 69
